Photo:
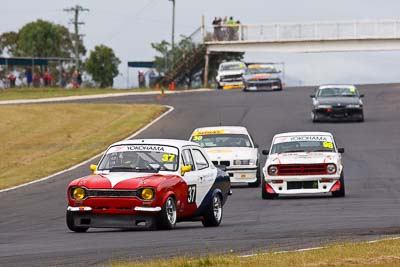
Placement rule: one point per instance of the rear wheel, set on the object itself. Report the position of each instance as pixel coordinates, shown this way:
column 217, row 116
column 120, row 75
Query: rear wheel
column 341, row 192
column 70, row 218
column 264, row 193
column 166, row 220
column 280, row 87
column 213, row 214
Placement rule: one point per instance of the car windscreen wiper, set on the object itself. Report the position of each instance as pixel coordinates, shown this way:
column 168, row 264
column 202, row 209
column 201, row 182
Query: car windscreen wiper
column 293, row 151
column 130, row 169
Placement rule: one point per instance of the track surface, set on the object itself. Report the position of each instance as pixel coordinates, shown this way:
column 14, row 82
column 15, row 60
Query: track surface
column 32, row 222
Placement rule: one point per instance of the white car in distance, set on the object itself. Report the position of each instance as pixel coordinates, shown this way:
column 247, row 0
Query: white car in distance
column 232, row 149
column 303, row 163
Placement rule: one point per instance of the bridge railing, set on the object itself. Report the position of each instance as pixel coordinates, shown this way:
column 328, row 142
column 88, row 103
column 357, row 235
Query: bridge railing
column 386, row 29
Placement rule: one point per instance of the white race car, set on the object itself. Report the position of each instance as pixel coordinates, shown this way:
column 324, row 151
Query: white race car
column 303, row 163
column 232, row 148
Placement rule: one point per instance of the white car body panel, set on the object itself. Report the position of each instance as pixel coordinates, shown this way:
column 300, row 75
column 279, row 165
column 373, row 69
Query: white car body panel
column 279, row 182
column 237, row 173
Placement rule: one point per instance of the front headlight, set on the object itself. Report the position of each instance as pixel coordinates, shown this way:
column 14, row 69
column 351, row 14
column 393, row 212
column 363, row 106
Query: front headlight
column 324, row 106
column 147, row 194
column 331, row 168
column 244, row 162
column 78, row 193
column 273, row 170
column 353, row 106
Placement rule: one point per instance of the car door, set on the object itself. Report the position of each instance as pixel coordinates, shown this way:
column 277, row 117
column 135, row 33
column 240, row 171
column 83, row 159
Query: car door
column 206, row 174
column 191, row 178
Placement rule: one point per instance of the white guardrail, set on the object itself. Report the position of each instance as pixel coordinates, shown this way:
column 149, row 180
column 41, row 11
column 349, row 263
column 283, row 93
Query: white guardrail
column 354, row 30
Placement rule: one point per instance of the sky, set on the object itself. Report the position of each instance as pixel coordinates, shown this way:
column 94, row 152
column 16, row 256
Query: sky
column 129, row 27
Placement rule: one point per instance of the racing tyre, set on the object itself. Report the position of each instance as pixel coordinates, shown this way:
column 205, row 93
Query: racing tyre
column 341, row 192
column 361, row 118
column 219, row 87
column 314, row 117
column 166, row 220
column 264, row 193
column 280, row 87
column 213, row 214
column 71, row 223
column 258, row 181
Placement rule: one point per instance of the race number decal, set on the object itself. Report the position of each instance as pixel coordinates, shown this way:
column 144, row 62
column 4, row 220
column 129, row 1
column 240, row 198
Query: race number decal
column 168, row 158
column 191, row 194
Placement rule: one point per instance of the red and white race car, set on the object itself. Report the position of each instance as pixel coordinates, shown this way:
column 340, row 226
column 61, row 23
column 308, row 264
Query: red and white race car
column 150, row 183
column 303, row 163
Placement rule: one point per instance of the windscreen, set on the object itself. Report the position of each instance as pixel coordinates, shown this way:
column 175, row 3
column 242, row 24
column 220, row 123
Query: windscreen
column 261, row 70
column 303, row 143
column 141, row 158
column 238, row 66
column 222, row 140
column 337, row 92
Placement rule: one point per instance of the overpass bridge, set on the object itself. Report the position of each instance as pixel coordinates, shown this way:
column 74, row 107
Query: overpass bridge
column 314, row 37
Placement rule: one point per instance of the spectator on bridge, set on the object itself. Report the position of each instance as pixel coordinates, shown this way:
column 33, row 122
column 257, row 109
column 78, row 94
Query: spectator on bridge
column 231, row 25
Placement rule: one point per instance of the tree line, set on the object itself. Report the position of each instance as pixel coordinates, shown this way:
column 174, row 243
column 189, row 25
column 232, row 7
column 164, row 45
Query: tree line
column 44, row 39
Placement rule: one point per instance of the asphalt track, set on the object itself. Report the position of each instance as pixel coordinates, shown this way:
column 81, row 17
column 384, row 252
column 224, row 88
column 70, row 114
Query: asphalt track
column 32, row 220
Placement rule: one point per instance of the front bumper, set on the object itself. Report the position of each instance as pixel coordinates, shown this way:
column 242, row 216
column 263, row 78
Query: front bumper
column 271, row 84
column 339, row 113
column 142, row 217
column 243, row 175
column 302, row 185
column 231, row 84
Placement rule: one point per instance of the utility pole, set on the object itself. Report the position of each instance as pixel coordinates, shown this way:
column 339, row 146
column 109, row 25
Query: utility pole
column 173, row 30
column 76, row 23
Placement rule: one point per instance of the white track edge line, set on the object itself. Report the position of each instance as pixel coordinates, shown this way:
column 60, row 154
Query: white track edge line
column 170, row 109
column 318, row 248
column 98, row 96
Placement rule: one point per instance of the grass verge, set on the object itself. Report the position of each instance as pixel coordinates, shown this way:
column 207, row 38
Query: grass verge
column 38, row 140
column 36, row 93
column 380, row 254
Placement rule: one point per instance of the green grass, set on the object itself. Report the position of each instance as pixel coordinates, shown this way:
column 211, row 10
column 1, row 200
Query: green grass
column 36, row 93
column 380, row 254
column 38, row 140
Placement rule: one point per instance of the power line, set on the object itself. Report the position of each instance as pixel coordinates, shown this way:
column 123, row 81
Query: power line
column 76, row 23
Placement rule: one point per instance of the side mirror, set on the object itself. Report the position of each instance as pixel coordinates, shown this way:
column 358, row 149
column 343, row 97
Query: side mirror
column 93, row 167
column 256, row 146
column 185, row 169
column 265, row 152
column 341, row 150
column 221, row 167
column 362, row 95
column 312, row 96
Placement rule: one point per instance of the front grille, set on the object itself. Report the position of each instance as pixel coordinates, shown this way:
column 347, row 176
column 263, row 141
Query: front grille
column 111, row 193
column 225, row 162
column 302, row 169
column 302, row 185
column 228, row 78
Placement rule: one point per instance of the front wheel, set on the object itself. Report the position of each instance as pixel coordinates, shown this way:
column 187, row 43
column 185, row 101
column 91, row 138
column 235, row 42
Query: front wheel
column 166, row 220
column 264, row 193
column 341, row 192
column 71, row 223
column 258, row 181
column 213, row 214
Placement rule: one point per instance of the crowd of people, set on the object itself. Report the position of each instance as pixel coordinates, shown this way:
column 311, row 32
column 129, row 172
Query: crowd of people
column 226, row 29
column 38, row 79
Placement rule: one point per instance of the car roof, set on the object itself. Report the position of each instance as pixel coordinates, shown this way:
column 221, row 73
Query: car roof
column 168, row 142
column 336, row 86
column 226, row 129
column 232, row 63
column 302, row 133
